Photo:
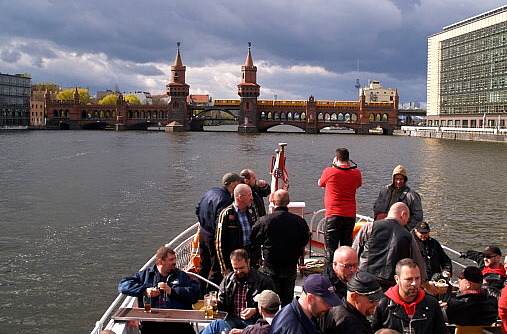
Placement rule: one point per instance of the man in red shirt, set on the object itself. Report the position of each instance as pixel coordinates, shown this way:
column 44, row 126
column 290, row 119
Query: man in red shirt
column 340, row 181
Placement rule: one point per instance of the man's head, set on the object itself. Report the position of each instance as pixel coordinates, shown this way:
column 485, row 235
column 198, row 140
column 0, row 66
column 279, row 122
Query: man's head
column 240, row 261
column 249, row 177
column 231, row 180
column 422, row 231
column 470, row 279
column 242, row 196
column 399, row 177
column 268, row 302
column 280, row 198
column 492, row 257
column 400, row 212
column 165, row 259
column 364, row 293
column 342, row 154
column 318, row 296
column 408, row 278
column 345, row 263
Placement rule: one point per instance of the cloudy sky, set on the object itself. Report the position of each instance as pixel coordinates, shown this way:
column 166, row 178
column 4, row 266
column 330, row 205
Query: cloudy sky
column 300, row 47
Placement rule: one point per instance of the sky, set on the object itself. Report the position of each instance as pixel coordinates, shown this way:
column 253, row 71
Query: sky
column 300, row 47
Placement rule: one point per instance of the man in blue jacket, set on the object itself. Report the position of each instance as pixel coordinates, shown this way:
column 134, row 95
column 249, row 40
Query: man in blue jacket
column 167, row 286
column 300, row 316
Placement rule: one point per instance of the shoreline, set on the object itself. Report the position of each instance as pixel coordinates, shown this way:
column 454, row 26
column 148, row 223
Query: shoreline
column 453, row 134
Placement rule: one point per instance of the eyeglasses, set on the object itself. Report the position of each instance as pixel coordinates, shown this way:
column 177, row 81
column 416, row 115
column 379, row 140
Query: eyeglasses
column 347, row 266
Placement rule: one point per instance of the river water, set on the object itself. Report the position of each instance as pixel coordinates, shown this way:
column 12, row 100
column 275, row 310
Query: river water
column 81, row 209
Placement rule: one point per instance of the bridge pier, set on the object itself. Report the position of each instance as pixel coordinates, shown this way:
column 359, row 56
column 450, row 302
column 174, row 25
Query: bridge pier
column 247, row 128
column 120, row 127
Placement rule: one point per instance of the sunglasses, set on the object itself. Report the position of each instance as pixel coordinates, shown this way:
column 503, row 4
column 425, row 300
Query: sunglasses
column 347, row 266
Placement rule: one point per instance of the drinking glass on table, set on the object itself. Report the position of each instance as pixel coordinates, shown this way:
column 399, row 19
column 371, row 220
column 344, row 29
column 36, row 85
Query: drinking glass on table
column 147, row 303
column 214, row 301
column 208, row 308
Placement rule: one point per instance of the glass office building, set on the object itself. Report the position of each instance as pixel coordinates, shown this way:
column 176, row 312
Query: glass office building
column 467, row 72
column 14, row 99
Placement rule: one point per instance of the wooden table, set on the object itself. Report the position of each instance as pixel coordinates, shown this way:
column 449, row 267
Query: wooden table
column 164, row 315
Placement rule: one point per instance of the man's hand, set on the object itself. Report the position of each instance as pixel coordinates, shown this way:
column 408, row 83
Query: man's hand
column 152, row 292
column 247, row 313
column 165, row 287
column 235, row 331
column 430, row 288
column 446, row 274
column 261, row 183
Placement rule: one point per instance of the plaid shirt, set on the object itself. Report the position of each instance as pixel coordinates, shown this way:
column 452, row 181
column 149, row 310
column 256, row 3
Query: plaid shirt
column 240, row 299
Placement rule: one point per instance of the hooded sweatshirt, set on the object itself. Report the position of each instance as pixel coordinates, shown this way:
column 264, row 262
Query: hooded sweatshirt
column 393, row 293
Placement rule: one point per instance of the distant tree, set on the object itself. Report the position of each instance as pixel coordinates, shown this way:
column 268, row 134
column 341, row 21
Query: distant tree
column 109, row 100
column 43, row 86
column 132, row 99
column 68, row 94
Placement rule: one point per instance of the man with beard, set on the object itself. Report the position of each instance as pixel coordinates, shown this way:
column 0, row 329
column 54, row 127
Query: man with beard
column 363, row 296
column 407, row 308
column 237, row 292
column 167, row 286
column 260, row 189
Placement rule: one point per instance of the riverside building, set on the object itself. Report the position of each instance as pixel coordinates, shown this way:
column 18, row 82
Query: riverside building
column 14, row 100
column 467, row 72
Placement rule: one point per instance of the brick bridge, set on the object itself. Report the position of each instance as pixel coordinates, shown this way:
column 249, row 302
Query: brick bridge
column 251, row 114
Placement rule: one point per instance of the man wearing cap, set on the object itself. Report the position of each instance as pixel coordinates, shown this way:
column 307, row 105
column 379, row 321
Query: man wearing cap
column 472, row 306
column 398, row 191
column 234, row 225
column 300, row 316
column 407, row 308
column 438, row 264
column 493, row 269
column 207, row 210
column 345, row 264
column 363, row 296
column 282, row 236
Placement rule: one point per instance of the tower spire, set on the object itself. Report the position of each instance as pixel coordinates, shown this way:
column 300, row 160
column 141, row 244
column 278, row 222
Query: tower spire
column 249, row 61
column 177, row 60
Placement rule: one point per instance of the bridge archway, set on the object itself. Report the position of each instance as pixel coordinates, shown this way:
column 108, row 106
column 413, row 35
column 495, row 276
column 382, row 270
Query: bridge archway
column 96, row 126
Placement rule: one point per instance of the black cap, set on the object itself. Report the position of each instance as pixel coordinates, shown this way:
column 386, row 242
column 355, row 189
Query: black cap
column 422, row 227
column 365, row 284
column 492, row 250
column 229, row 178
column 472, row 274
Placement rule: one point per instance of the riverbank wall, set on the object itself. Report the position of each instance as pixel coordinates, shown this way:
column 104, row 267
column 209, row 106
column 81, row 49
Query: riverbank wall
column 489, row 135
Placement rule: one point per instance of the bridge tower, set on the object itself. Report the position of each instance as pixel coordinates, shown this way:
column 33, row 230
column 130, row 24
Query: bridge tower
column 179, row 112
column 248, row 91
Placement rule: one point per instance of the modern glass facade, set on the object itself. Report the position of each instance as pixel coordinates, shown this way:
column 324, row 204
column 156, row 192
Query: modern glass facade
column 14, row 99
column 467, row 72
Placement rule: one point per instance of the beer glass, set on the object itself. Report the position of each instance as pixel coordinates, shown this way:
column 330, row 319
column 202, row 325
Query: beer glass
column 208, row 308
column 147, row 303
column 214, row 301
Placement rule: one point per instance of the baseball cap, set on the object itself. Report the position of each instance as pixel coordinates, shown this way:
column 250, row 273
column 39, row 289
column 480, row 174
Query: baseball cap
column 423, row 227
column 492, row 250
column 472, row 274
column 268, row 299
column 319, row 285
column 365, row 284
column 230, row 178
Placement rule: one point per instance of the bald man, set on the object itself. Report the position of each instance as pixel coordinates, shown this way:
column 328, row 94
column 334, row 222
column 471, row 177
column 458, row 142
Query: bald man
column 282, row 236
column 382, row 243
column 345, row 264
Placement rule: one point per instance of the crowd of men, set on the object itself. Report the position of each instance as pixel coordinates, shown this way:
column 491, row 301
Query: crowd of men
column 373, row 283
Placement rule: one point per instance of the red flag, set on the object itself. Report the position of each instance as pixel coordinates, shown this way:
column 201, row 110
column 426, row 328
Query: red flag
column 279, row 176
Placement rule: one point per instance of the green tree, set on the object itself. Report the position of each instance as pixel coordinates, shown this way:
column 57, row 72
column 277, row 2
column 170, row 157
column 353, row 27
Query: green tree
column 132, row 99
column 109, row 100
column 68, row 94
column 43, row 86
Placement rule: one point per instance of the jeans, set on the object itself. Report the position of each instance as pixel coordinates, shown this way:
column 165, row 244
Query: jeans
column 284, row 280
column 217, row 326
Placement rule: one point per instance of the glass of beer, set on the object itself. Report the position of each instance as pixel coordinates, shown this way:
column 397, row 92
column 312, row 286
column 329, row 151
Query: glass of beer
column 208, row 308
column 214, row 301
column 147, row 303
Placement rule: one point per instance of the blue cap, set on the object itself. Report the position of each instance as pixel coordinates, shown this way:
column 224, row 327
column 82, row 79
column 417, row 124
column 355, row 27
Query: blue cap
column 319, row 285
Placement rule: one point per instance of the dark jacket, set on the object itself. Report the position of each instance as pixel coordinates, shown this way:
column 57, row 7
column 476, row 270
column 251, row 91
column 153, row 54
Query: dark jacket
column 340, row 288
column 210, row 205
column 185, row 291
column 346, row 319
column 380, row 245
column 260, row 327
column 472, row 309
column 292, row 320
column 405, row 195
column 256, row 283
column 427, row 319
column 229, row 235
column 433, row 255
column 282, row 236
column 257, row 205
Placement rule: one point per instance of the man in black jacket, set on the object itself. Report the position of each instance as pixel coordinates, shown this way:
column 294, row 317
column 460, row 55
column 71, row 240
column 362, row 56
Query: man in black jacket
column 260, row 189
column 282, row 236
column 345, row 265
column 363, row 296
